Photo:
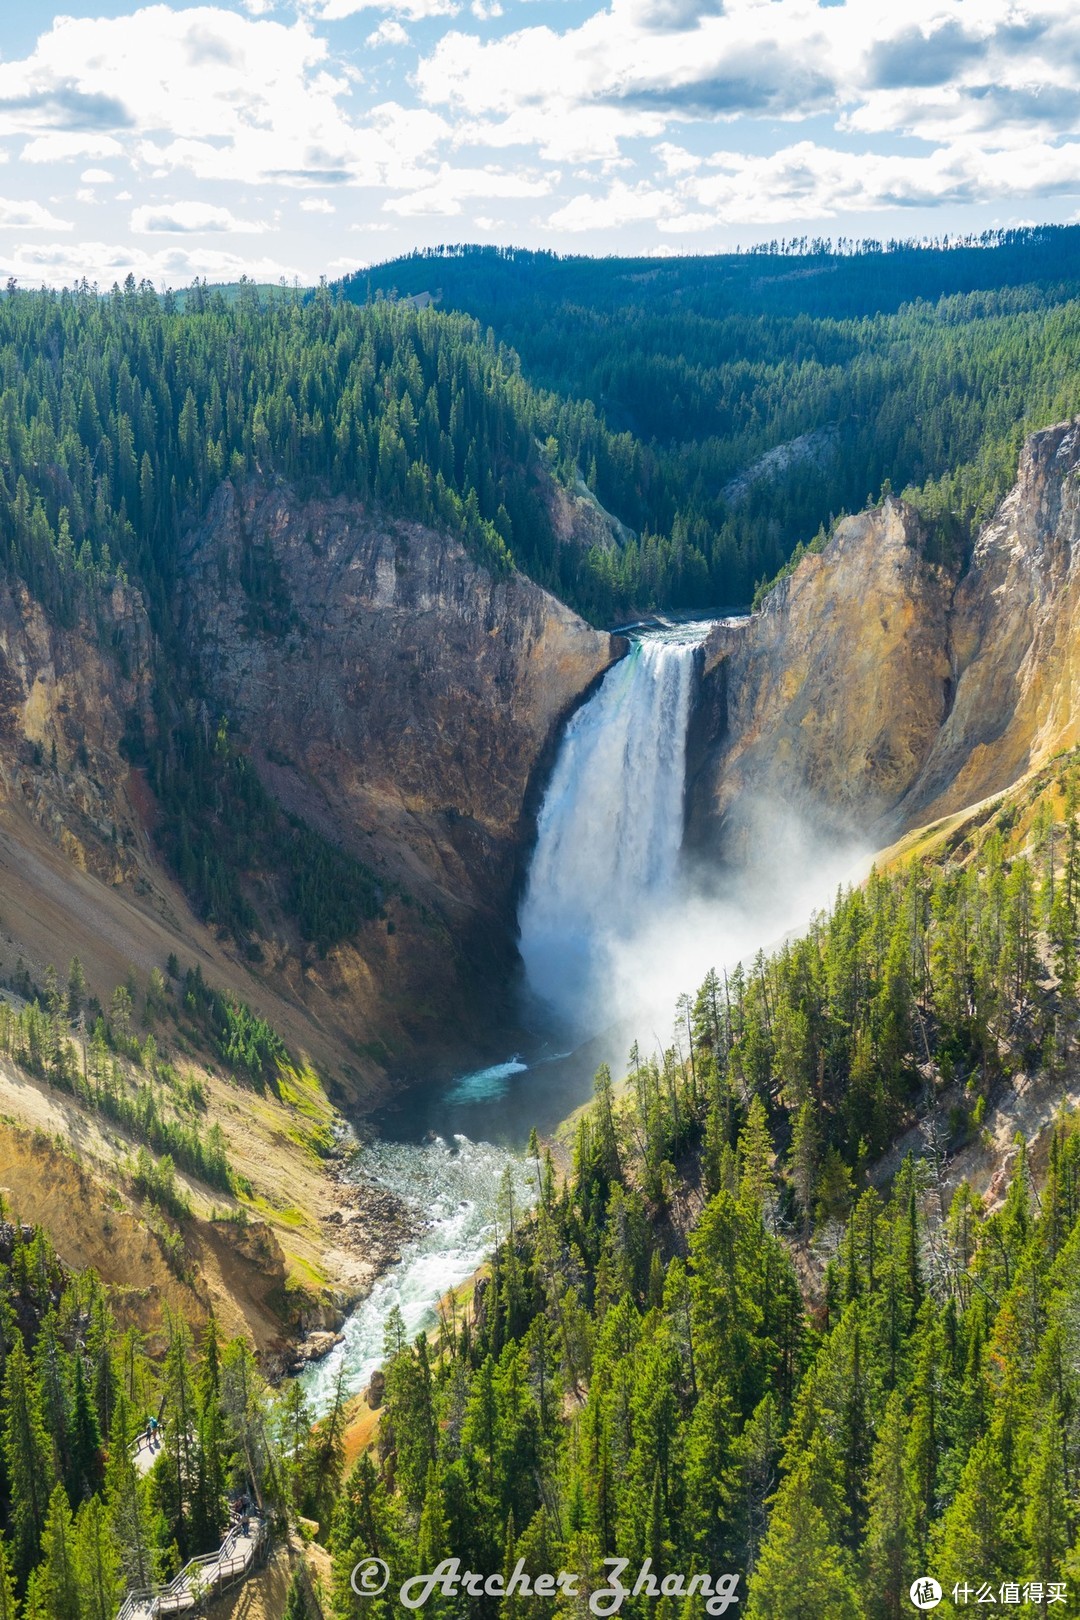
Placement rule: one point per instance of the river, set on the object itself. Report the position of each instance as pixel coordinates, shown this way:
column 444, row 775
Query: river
column 611, row 931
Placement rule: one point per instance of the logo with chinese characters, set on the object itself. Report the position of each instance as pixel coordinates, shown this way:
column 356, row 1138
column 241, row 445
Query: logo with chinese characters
column 1013, row 1592
column 925, row 1592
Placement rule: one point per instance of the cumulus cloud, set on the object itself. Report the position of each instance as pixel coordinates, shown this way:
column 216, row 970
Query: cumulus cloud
column 974, row 79
column 914, row 58
column 317, row 205
column 447, row 192
column 338, row 10
column 64, row 263
column 183, row 218
column 652, row 117
column 29, row 216
column 221, row 96
column 389, row 32
column 63, row 148
column 807, row 182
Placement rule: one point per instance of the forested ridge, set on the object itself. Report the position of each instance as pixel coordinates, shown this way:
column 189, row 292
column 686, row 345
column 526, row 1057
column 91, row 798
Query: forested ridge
column 723, row 1342
column 721, row 1345
column 657, row 387
column 120, row 416
column 920, row 367
column 82, row 1524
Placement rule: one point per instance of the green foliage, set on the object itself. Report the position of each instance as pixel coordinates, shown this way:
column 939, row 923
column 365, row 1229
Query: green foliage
column 634, row 1383
column 245, row 1042
column 156, row 1180
column 81, row 1524
column 872, row 363
column 221, row 827
column 151, row 1109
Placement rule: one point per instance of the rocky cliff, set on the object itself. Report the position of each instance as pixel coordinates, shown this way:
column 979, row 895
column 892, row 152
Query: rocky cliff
column 402, row 700
column 876, row 690
column 829, row 700
column 393, row 694
column 65, row 694
column 1014, row 642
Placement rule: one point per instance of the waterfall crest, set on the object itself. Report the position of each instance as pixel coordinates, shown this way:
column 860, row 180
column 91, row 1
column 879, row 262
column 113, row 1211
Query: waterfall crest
column 610, row 828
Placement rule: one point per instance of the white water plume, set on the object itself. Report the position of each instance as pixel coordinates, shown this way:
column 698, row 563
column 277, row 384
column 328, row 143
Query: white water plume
column 611, row 825
column 614, row 926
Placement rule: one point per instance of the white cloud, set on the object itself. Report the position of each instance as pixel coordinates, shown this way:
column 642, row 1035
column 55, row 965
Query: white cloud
column 29, row 216
column 806, row 182
column 182, row 218
column 629, row 115
column 978, row 74
column 62, row 148
column 225, row 97
column 389, row 32
column 63, row 263
column 337, row 10
column 446, row 192
column 620, row 205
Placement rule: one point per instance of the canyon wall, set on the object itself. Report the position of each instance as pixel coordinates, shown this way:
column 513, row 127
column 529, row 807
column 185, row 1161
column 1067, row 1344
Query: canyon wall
column 876, row 689
column 392, row 692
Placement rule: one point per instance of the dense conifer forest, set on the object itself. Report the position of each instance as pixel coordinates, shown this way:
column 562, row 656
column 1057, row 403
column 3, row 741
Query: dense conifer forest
column 920, row 366
column 729, row 1342
column 754, row 1328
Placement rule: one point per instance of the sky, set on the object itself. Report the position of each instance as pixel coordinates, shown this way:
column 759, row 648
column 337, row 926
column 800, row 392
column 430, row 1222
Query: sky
column 298, row 138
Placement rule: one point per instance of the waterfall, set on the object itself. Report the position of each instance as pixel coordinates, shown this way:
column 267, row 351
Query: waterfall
column 610, row 829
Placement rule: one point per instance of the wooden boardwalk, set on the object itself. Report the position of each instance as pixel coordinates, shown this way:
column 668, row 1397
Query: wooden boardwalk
column 203, row 1577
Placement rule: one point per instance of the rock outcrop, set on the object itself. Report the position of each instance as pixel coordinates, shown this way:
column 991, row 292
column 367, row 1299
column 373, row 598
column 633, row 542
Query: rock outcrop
column 65, row 695
column 1015, row 638
column 829, row 700
column 393, row 694
column 403, row 701
column 875, row 691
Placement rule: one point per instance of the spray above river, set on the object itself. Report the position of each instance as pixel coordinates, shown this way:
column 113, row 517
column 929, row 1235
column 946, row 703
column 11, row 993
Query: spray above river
column 615, row 924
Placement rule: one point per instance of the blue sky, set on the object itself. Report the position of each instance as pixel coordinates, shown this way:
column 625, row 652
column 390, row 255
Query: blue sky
column 306, row 137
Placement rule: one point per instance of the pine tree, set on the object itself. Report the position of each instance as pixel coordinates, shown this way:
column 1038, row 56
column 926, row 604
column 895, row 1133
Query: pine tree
column 1046, row 1516
column 890, row 1530
column 27, row 1456
column 60, row 1572
column 97, row 1562
column 976, row 1532
column 7, row 1583
column 129, row 1510
column 801, row 1573
column 85, row 1469
column 803, row 1161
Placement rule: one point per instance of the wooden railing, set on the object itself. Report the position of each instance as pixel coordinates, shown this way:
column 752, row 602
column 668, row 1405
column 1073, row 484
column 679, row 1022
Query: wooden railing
column 201, row 1577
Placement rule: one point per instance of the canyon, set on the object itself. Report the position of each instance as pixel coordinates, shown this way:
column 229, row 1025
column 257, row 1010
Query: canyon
column 407, row 703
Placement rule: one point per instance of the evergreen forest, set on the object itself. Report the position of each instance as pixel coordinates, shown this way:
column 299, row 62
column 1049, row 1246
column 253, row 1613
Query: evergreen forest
column 751, row 1319
column 725, row 412
column 757, row 1326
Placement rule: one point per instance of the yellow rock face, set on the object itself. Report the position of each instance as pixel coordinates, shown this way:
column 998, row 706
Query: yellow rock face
column 875, row 691
column 830, row 698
